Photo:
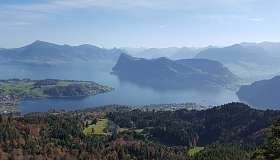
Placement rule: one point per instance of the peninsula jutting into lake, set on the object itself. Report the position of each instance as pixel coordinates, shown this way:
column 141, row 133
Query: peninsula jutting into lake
column 13, row 90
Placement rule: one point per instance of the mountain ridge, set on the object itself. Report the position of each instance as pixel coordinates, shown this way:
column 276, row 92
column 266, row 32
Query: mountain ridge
column 163, row 72
column 263, row 93
column 250, row 61
column 45, row 52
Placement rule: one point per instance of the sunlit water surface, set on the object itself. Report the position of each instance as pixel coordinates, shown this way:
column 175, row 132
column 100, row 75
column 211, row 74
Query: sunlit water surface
column 125, row 93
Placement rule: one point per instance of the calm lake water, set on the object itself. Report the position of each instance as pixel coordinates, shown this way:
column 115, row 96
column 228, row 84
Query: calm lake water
column 125, row 92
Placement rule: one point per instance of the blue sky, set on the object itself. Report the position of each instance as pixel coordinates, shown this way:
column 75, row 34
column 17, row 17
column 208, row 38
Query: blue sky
column 142, row 23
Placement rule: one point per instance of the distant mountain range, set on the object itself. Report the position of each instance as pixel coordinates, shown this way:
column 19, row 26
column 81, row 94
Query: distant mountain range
column 251, row 61
column 234, row 53
column 238, row 53
column 264, row 93
column 259, row 53
column 163, row 73
column 41, row 52
column 272, row 48
column 171, row 52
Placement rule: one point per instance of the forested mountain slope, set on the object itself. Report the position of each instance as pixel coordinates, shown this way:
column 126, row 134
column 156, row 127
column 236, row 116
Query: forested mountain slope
column 232, row 131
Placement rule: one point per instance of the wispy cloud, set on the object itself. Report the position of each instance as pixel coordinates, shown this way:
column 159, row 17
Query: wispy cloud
column 29, row 13
column 20, row 23
column 60, row 5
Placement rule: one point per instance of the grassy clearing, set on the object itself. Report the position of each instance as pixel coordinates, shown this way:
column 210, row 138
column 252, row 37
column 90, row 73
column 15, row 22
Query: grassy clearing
column 66, row 82
column 121, row 130
column 19, row 88
column 98, row 128
column 139, row 130
column 194, row 150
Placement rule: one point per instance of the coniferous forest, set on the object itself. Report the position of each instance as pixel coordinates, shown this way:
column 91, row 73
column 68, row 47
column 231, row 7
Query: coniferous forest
column 229, row 132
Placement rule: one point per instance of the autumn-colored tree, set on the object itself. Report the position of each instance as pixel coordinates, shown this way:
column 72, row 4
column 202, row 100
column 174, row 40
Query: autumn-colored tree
column 272, row 149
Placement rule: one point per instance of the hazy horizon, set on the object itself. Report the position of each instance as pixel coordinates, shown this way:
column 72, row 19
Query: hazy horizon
column 149, row 24
column 140, row 47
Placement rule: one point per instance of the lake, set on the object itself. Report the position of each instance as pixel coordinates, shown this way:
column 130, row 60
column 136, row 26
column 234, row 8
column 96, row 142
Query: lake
column 126, row 93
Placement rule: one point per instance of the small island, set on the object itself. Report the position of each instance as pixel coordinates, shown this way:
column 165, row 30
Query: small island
column 13, row 90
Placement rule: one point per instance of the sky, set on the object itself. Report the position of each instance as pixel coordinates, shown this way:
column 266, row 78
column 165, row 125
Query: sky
column 139, row 23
